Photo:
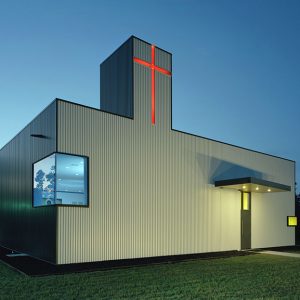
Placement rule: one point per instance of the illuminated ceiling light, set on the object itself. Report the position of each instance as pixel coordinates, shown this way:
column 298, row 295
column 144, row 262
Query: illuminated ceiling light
column 269, row 190
column 244, row 186
column 59, row 178
column 67, row 167
column 257, row 188
column 76, row 174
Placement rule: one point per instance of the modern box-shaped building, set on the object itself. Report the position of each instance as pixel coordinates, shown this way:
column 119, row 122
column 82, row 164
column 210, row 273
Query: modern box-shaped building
column 79, row 184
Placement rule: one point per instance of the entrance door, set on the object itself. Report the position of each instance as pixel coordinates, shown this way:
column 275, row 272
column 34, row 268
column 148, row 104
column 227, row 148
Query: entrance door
column 246, row 221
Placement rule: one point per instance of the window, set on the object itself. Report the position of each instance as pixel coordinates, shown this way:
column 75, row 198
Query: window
column 60, row 179
column 292, row 221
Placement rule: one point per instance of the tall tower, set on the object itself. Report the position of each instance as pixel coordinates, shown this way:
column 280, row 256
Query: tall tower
column 136, row 82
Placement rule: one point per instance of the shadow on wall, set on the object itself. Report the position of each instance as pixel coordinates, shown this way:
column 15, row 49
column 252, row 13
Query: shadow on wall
column 218, row 169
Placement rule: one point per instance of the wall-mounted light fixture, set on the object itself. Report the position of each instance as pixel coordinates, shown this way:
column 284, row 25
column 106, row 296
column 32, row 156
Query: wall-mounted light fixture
column 292, row 221
column 41, row 136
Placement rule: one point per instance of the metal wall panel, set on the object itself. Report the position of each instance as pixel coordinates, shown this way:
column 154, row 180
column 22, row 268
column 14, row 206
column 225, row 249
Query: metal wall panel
column 163, row 59
column 116, row 94
column 141, row 49
column 22, row 227
column 151, row 192
column 151, row 188
column 142, row 88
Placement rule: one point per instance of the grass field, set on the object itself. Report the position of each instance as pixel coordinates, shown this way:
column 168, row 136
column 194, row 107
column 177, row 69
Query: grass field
column 293, row 251
column 253, row 276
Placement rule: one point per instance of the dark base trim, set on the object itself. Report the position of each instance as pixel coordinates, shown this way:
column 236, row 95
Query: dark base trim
column 279, row 248
column 34, row 267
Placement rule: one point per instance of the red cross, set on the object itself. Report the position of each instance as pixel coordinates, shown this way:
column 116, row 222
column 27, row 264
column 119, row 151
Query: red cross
column 153, row 68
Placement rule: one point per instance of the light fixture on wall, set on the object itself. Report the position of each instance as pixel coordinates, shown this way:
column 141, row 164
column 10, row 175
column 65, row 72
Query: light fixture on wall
column 292, row 221
column 41, row 136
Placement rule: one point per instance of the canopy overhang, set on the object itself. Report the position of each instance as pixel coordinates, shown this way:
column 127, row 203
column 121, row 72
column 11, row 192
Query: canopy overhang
column 251, row 184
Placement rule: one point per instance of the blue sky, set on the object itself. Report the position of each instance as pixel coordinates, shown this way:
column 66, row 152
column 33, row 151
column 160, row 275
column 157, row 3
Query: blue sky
column 236, row 64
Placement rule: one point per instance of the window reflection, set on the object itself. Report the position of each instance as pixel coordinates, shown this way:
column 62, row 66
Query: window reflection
column 60, row 179
column 70, row 180
column 44, row 181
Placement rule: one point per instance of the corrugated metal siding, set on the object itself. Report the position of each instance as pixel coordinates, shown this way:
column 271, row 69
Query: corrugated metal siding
column 150, row 192
column 151, row 188
column 142, row 88
column 163, row 59
column 141, row 49
column 22, row 227
column 116, row 94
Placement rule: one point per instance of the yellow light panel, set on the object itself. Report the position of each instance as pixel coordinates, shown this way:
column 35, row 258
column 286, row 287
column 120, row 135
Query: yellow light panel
column 246, row 201
column 292, row 221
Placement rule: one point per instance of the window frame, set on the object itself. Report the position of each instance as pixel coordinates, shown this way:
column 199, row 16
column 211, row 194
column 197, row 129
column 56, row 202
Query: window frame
column 62, row 205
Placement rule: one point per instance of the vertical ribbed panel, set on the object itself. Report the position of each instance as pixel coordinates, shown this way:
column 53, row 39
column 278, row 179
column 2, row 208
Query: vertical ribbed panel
column 22, row 227
column 116, row 94
column 141, row 49
column 163, row 101
column 142, row 89
column 163, row 59
column 142, row 96
column 151, row 188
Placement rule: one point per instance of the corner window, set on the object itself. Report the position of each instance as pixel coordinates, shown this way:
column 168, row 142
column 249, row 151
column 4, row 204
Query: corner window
column 60, row 179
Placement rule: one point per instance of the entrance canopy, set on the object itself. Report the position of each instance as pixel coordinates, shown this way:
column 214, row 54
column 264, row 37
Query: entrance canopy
column 252, row 184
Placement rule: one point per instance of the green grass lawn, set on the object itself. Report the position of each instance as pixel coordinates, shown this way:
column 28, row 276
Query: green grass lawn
column 253, row 276
column 293, row 251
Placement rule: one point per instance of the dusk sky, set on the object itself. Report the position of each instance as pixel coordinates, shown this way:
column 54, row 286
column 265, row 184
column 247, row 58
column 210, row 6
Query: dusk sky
column 236, row 64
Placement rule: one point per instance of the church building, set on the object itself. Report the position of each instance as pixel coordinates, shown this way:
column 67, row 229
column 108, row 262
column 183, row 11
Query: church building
column 80, row 184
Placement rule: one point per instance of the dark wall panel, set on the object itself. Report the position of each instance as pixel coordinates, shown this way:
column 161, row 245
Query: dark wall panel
column 116, row 81
column 22, row 227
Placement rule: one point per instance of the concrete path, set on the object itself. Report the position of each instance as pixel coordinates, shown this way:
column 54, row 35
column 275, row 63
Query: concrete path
column 280, row 253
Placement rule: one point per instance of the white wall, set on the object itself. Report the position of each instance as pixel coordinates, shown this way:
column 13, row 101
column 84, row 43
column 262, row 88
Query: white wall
column 151, row 188
column 269, row 220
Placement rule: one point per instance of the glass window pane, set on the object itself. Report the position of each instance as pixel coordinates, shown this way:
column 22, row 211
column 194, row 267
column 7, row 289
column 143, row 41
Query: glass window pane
column 71, row 180
column 44, row 181
column 60, row 179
